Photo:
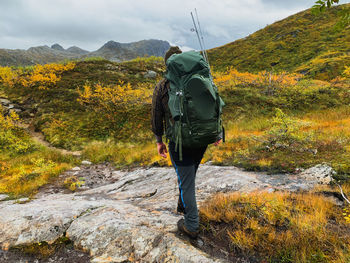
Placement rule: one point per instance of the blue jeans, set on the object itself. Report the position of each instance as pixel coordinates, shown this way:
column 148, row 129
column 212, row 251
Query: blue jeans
column 186, row 174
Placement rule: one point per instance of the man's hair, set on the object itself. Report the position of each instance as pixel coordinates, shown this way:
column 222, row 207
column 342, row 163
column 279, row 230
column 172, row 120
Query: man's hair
column 171, row 51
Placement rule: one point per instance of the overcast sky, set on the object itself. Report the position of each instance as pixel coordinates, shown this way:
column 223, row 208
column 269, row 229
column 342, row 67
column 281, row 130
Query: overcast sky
column 91, row 23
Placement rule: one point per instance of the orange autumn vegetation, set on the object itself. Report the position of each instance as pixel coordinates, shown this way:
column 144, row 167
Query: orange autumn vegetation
column 39, row 76
column 346, row 72
column 7, row 76
column 122, row 94
column 255, row 141
column 119, row 112
column 124, row 154
column 233, row 77
column 122, row 106
column 314, row 126
column 278, row 227
column 45, row 76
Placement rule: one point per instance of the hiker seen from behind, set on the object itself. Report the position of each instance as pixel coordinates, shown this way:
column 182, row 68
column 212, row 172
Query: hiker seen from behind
column 186, row 107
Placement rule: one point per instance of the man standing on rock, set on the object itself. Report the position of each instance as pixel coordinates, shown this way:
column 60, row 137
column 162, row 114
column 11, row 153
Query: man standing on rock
column 185, row 157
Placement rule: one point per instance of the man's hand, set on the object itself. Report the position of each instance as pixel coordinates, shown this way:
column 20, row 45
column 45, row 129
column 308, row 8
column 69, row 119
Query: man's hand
column 217, row 142
column 161, row 147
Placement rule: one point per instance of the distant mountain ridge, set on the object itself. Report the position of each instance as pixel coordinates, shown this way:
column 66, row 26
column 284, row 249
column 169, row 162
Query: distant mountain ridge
column 111, row 50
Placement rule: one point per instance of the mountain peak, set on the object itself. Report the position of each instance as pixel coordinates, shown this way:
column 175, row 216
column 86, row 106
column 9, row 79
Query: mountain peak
column 57, row 47
column 112, row 45
column 77, row 50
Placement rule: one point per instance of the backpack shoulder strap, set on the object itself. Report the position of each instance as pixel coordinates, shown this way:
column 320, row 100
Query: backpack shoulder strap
column 167, row 84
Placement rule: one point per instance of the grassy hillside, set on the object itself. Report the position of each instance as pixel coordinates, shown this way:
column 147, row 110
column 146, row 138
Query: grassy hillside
column 274, row 122
column 302, row 42
column 68, row 122
column 71, row 105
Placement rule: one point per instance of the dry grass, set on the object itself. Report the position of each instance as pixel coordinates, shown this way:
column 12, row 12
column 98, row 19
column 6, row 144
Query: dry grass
column 278, row 227
column 124, row 154
column 22, row 175
column 314, row 137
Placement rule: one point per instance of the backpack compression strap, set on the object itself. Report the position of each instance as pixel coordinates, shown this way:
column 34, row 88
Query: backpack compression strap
column 178, row 144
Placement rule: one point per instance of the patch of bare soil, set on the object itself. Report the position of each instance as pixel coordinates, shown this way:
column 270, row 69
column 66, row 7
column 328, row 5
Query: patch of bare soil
column 89, row 176
column 218, row 246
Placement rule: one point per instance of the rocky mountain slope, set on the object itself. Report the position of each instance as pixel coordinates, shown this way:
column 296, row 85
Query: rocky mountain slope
column 115, row 51
column 112, row 50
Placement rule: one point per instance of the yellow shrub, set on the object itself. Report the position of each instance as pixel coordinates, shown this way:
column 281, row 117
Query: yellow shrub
column 233, row 77
column 347, row 72
column 45, row 76
column 11, row 136
column 40, row 76
column 7, row 76
column 121, row 105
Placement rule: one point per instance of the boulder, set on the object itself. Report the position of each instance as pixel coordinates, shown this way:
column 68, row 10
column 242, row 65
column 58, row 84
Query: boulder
column 3, row 197
column 23, row 200
column 150, row 74
column 5, row 102
column 319, row 174
column 15, row 110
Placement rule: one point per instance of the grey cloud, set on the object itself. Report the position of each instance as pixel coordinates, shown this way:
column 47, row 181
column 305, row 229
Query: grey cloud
column 91, row 23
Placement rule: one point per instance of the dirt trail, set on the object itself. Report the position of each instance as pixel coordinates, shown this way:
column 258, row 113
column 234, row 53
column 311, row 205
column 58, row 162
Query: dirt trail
column 39, row 138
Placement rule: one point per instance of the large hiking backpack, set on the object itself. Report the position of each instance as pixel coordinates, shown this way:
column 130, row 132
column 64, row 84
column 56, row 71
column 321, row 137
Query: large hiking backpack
column 194, row 102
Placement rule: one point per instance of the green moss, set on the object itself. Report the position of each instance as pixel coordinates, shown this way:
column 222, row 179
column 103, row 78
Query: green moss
column 43, row 250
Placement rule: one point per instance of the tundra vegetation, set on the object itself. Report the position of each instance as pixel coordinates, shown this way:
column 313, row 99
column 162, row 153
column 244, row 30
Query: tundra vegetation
column 276, row 121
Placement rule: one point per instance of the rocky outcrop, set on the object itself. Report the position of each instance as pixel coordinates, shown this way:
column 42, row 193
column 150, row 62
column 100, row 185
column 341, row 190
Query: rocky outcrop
column 150, row 74
column 3, row 197
column 8, row 107
column 126, row 215
column 321, row 173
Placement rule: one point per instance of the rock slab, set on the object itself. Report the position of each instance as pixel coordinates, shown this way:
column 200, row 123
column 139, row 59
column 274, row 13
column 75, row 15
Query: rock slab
column 132, row 218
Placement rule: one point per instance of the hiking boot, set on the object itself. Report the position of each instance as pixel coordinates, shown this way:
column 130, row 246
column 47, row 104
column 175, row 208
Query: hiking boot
column 180, row 207
column 182, row 228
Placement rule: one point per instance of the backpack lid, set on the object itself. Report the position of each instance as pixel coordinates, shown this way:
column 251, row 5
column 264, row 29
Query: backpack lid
column 185, row 63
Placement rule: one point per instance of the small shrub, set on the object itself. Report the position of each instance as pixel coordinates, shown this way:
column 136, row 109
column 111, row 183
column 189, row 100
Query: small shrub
column 122, row 105
column 286, row 133
column 13, row 138
column 72, row 183
column 43, row 77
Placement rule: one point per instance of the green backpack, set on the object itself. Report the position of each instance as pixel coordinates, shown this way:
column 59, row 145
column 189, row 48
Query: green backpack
column 194, row 102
